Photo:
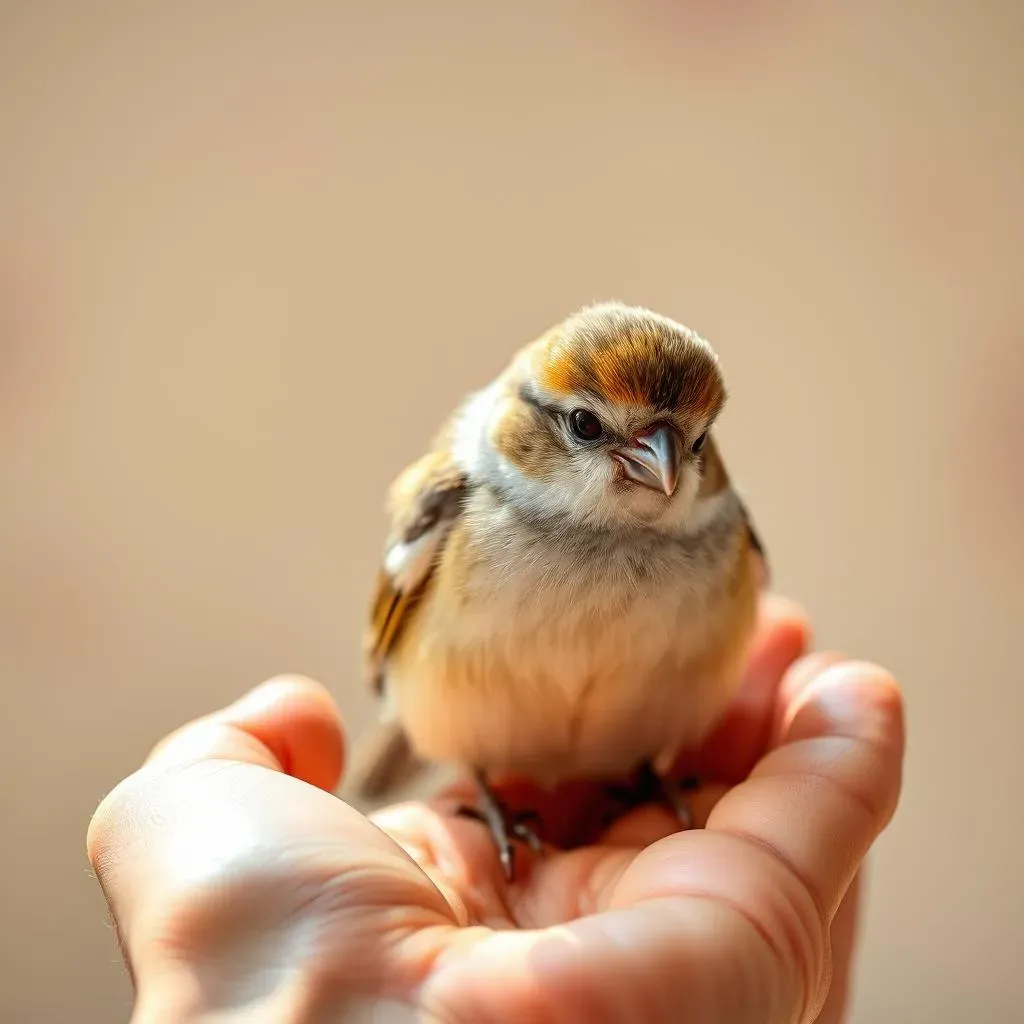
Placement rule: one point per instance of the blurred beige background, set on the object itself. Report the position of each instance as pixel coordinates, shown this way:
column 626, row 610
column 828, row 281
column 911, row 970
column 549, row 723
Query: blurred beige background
column 250, row 255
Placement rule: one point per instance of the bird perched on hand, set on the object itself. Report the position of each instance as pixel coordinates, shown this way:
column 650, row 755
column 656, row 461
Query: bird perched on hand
column 570, row 580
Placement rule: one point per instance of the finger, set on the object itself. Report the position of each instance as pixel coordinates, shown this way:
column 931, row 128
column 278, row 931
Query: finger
column 652, row 822
column 814, row 805
column 692, row 963
column 800, row 676
column 290, row 724
column 844, row 934
column 820, row 798
column 781, row 848
column 640, row 828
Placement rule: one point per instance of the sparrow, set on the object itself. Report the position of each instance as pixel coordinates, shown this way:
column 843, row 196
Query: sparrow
column 570, row 579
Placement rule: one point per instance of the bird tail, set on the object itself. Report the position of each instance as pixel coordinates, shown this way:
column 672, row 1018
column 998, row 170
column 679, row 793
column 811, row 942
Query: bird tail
column 381, row 761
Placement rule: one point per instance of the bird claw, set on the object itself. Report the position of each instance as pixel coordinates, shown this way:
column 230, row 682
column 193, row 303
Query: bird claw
column 674, row 794
column 653, row 788
column 503, row 826
column 528, row 835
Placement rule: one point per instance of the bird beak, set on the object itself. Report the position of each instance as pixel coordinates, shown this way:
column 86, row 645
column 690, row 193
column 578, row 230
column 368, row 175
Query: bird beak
column 653, row 460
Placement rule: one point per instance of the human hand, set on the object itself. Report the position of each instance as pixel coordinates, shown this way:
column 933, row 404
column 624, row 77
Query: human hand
column 242, row 889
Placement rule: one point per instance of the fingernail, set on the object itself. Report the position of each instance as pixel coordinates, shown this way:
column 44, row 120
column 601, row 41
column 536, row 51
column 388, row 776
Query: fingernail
column 856, row 698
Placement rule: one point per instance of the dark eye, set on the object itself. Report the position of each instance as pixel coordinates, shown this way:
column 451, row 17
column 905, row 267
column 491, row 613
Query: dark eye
column 585, row 425
column 698, row 446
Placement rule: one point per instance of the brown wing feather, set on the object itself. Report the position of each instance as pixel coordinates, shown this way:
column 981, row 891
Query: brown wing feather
column 424, row 502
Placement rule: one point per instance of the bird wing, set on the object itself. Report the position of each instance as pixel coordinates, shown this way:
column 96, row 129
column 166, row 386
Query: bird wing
column 425, row 502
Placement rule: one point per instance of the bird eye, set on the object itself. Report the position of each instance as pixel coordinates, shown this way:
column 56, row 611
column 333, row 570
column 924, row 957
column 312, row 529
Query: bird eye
column 698, row 446
column 584, row 425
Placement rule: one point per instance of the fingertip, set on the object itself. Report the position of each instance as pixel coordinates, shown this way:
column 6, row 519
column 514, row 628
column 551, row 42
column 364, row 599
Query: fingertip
column 843, row 697
column 779, row 612
column 867, row 675
column 291, row 691
column 297, row 719
column 801, row 672
column 288, row 723
column 783, row 635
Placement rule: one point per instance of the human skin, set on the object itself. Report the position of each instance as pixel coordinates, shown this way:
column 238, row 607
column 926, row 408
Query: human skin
column 243, row 889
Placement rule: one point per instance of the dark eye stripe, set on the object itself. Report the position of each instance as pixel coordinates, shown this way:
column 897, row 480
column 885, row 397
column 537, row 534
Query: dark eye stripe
column 535, row 403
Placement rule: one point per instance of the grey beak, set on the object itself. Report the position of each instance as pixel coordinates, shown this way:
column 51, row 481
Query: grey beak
column 653, row 460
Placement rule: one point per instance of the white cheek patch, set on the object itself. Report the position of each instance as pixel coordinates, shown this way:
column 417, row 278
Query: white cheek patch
column 471, row 431
column 580, row 489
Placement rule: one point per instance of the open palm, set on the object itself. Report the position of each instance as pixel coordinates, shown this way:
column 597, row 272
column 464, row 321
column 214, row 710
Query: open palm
column 244, row 890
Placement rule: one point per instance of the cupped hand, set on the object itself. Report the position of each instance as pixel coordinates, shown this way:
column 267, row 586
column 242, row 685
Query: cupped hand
column 243, row 889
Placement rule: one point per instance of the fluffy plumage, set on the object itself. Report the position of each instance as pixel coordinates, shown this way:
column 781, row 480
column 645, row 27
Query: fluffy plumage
column 554, row 605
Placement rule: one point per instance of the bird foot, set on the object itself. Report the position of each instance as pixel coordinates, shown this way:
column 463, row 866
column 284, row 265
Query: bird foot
column 503, row 825
column 650, row 787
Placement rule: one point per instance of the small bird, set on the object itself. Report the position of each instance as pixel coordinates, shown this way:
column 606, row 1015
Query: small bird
column 569, row 583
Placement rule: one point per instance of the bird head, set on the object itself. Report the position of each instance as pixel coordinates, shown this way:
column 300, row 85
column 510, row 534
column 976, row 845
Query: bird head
column 605, row 419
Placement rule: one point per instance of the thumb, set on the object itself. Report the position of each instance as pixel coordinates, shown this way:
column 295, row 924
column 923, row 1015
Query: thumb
column 289, row 724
